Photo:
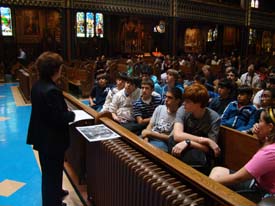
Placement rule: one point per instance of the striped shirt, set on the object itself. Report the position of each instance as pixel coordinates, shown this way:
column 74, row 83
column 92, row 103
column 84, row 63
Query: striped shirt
column 144, row 110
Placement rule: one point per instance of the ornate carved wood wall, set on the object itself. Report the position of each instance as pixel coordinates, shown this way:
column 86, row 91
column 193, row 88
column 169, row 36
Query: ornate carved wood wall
column 184, row 9
column 36, row 3
column 173, row 11
column 141, row 7
column 210, row 12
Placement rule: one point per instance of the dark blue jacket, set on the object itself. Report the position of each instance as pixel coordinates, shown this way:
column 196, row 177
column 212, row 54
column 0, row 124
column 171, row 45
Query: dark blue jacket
column 241, row 119
column 218, row 104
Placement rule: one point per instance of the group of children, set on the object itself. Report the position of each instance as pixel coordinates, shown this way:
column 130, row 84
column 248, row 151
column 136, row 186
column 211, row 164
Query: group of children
column 182, row 120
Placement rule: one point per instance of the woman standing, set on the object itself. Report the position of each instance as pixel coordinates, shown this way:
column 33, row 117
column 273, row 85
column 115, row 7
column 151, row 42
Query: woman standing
column 258, row 175
column 48, row 129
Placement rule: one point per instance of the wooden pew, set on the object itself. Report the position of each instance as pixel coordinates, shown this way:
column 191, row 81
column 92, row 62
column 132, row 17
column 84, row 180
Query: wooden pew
column 213, row 192
column 237, row 147
column 82, row 78
column 24, row 83
column 2, row 72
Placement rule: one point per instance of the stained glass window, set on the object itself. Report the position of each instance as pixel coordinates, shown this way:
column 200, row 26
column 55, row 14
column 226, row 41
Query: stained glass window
column 99, row 25
column 254, row 3
column 80, row 24
column 252, row 36
column 89, row 24
column 6, row 21
column 215, row 34
column 212, row 34
column 90, row 32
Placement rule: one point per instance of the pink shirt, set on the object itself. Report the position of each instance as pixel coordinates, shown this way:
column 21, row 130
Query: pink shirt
column 262, row 167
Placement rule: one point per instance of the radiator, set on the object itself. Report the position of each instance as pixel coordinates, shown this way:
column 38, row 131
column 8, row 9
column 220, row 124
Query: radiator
column 118, row 175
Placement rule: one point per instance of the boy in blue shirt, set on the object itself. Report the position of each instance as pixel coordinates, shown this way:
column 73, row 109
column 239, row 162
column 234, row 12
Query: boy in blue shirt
column 99, row 92
column 240, row 114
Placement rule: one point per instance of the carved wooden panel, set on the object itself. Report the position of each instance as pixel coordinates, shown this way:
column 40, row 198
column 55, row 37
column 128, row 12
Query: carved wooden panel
column 216, row 13
column 42, row 3
column 148, row 7
column 262, row 20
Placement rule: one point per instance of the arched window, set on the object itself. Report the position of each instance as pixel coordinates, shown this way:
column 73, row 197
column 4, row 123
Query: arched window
column 6, row 21
column 90, row 31
column 80, row 24
column 89, row 24
column 99, row 25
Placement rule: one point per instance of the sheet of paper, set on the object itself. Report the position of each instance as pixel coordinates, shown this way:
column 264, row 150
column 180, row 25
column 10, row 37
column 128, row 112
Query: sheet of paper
column 97, row 132
column 81, row 115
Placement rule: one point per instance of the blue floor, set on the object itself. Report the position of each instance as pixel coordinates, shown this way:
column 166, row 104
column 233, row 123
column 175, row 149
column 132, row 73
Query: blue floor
column 16, row 157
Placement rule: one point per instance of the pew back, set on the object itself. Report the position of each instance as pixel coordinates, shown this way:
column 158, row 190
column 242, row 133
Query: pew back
column 237, row 147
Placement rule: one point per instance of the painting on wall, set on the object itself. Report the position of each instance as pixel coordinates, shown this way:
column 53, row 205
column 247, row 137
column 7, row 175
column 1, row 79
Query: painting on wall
column 267, row 41
column 132, row 35
column 31, row 22
column 229, row 35
column 193, row 40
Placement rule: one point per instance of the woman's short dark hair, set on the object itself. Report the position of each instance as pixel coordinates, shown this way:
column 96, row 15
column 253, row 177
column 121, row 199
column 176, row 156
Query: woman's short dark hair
column 48, row 64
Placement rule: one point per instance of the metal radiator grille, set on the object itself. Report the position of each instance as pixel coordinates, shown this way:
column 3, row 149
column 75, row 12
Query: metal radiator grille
column 121, row 176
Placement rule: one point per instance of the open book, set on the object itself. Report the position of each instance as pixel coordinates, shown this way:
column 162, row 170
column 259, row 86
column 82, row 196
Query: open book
column 97, row 132
column 81, row 115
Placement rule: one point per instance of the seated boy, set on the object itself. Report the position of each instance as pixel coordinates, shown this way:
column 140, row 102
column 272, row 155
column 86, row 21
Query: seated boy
column 171, row 82
column 144, row 107
column 240, row 114
column 161, row 123
column 122, row 103
column 99, row 92
column 147, row 72
column 120, row 83
column 196, row 129
column 219, row 103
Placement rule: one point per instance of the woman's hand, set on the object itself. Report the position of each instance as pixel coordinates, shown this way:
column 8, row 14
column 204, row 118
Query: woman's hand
column 255, row 128
column 178, row 148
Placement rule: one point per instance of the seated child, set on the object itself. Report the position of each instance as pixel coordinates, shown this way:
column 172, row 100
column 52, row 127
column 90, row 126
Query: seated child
column 162, row 121
column 240, row 114
column 219, row 103
column 99, row 92
column 144, row 107
column 120, row 83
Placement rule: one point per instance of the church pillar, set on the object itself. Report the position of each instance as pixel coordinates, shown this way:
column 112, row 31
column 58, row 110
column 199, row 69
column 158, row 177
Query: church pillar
column 67, row 26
